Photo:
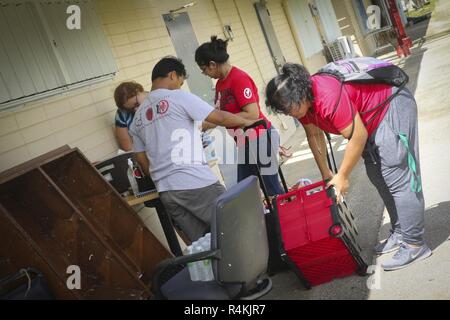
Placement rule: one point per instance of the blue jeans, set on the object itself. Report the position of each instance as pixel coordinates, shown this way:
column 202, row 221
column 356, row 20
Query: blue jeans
column 271, row 182
column 250, row 168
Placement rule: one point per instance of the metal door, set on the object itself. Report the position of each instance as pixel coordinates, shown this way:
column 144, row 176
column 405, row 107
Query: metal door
column 271, row 38
column 185, row 42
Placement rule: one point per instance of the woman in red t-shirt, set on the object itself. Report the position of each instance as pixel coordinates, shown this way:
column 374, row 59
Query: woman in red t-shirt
column 386, row 136
column 237, row 93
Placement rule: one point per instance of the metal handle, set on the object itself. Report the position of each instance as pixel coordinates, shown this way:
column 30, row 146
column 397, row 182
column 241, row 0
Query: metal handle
column 258, row 123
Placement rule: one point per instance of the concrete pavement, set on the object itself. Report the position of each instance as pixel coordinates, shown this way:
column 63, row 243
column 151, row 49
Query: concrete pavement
column 430, row 63
column 366, row 207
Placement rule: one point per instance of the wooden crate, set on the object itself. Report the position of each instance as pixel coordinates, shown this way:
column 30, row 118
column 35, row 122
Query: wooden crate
column 60, row 211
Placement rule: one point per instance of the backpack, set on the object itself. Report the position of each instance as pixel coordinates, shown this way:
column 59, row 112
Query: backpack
column 372, row 70
column 366, row 70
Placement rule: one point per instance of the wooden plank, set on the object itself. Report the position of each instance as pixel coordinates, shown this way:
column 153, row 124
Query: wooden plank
column 119, row 218
column 50, row 203
column 23, row 168
column 27, row 253
column 43, row 215
column 107, row 242
column 132, row 200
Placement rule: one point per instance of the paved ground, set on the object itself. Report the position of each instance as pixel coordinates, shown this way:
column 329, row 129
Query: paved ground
column 366, row 208
column 429, row 67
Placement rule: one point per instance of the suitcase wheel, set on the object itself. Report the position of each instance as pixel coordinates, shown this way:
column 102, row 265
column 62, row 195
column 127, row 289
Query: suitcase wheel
column 362, row 271
column 336, row 230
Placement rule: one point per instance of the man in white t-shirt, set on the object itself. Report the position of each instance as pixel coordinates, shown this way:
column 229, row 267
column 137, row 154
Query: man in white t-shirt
column 168, row 146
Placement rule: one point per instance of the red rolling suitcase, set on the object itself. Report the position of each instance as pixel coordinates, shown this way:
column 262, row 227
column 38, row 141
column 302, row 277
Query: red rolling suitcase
column 317, row 234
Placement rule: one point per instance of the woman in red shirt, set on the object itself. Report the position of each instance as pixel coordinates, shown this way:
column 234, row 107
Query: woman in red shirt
column 320, row 104
column 237, row 93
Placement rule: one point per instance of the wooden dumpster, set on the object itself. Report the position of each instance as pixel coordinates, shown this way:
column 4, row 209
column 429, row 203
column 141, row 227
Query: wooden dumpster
column 56, row 211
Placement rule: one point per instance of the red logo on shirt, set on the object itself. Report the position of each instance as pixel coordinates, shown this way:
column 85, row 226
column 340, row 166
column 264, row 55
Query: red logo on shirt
column 162, row 107
column 149, row 114
column 248, row 93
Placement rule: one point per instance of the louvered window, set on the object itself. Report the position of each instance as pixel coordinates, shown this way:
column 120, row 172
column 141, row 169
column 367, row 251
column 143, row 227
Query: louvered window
column 40, row 56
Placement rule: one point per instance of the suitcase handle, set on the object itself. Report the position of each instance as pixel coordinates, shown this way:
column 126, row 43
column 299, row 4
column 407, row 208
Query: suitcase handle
column 304, row 190
column 300, row 192
column 283, row 199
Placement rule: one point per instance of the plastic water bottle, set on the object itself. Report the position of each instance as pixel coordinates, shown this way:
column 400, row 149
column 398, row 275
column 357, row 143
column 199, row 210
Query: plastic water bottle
column 192, row 266
column 207, row 266
column 131, row 178
column 209, row 147
column 200, row 266
column 208, row 238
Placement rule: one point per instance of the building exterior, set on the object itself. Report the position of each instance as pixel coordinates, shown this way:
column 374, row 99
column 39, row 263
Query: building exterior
column 136, row 34
column 57, row 83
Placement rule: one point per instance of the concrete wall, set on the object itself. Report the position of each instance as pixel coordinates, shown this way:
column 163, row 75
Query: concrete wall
column 364, row 45
column 137, row 35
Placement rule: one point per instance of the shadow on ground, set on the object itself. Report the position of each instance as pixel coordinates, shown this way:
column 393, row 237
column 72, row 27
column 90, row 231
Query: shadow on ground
column 412, row 63
column 437, row 218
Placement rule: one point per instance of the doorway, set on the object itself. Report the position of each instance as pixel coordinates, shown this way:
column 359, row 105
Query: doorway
column 185, row 43
column 269, row 34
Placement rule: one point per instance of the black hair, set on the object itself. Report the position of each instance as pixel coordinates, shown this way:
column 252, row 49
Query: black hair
column 215, row 50
column 167, row 65
column 292, row 87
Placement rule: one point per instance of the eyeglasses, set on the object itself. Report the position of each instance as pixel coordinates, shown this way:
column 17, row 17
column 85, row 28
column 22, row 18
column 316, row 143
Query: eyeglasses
column 284, row 111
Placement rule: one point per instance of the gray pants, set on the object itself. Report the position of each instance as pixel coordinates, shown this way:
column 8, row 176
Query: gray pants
column 386, row 161
column 191, row 209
